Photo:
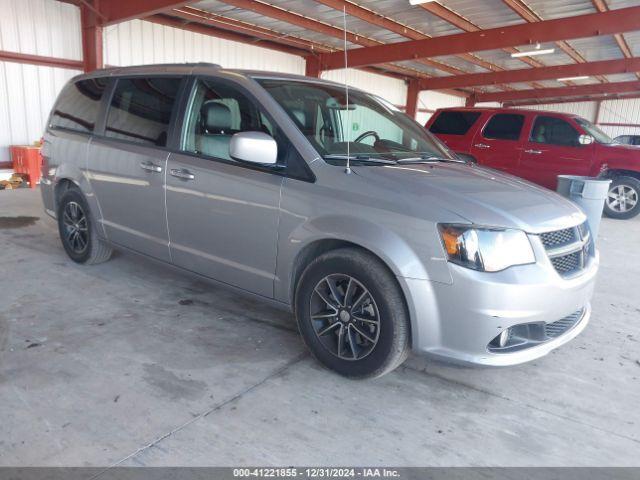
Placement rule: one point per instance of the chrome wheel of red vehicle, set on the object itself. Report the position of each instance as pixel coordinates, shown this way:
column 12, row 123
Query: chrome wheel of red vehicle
column 623, row 199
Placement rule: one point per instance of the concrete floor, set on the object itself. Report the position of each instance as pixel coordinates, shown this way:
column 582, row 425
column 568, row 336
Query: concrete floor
column 131, row 363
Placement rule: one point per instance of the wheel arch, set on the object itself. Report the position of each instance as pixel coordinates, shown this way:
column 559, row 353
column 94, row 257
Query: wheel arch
column 614, row 173
column 316, row 236
column 70, row 176
column 319, row 247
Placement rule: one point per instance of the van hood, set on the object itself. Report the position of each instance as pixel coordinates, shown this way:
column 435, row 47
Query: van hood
column 476, row 194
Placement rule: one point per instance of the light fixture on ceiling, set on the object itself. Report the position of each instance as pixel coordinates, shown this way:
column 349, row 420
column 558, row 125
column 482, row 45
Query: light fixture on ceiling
column 532, row 53
column 418, row 2
column 570, row 79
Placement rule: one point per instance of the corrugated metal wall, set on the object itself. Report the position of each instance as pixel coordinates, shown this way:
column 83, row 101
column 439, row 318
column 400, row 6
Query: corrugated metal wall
column 432, row 100
column 137, row 42
column 52, row 28
column 391, row 89
column 620, row 111
column 584, row 109
column 611, row 111
column 27, row 92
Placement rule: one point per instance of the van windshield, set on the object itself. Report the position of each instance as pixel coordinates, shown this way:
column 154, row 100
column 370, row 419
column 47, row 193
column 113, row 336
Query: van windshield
column 369, row 128
column 594, row 131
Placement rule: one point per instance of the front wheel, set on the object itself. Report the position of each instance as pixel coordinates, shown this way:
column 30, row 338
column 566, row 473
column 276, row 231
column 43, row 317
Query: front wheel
column 352, row 315
column 622, row 200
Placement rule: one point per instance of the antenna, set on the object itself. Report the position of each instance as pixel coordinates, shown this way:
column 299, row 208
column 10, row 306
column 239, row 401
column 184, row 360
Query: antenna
column 346, row 88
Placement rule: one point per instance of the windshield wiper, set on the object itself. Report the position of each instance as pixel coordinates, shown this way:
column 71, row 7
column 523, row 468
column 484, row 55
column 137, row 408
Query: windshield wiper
column 427, row 159
column 359, row 158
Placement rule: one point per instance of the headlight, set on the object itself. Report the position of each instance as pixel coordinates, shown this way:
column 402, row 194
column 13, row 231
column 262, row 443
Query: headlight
column 486, row 249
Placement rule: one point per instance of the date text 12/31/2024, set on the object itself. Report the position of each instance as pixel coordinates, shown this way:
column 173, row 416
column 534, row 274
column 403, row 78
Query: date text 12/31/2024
column 316, row 472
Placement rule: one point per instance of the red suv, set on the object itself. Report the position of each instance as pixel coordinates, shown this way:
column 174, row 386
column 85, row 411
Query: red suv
column 539, row 146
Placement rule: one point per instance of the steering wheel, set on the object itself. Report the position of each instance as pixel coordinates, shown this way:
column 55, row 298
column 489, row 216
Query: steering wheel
column 369, row 133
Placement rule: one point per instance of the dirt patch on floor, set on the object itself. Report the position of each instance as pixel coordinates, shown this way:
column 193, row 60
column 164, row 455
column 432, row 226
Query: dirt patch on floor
column 17, row 222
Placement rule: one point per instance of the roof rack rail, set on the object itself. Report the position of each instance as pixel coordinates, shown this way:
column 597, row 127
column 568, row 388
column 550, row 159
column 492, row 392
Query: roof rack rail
column 169, row 64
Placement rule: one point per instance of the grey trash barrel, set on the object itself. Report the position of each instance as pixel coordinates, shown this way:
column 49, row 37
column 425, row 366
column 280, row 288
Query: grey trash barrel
column 589, row 193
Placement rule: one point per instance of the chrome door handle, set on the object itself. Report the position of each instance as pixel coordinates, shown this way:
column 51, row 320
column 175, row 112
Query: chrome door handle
column 482, row 145
column 150, row 167
column 534, row 152
column 182, row 173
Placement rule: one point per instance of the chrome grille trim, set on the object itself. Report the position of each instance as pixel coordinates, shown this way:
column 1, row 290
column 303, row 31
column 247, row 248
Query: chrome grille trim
column 568, row 249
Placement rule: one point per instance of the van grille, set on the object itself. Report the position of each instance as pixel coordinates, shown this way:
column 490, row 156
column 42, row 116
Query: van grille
column 567, row 263
column 568, row 249
column 555, row 329
column 559, row 237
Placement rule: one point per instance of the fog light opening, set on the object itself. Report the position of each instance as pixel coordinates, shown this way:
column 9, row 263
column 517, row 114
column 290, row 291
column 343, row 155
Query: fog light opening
column 502, row 340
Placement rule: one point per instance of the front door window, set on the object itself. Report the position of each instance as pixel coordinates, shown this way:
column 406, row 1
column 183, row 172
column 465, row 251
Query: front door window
column 554, row 131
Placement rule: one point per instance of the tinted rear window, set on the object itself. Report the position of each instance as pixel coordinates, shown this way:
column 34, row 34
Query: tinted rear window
column 141, row 109
column 78, row 105
column 504, row 126
column 454, row 123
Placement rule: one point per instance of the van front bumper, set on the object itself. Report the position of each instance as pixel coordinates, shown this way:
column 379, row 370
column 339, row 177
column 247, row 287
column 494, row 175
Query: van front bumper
column 459, row 321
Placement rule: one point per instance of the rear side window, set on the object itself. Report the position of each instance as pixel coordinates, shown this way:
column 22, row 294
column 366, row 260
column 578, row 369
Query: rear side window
column 454, row 123
column 78, row 105
column 141, row 109
column 504, row 126
column 554, row 131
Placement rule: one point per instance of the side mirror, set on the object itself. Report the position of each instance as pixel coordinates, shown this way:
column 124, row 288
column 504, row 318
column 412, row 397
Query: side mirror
column 254, row 147
column 585, row 139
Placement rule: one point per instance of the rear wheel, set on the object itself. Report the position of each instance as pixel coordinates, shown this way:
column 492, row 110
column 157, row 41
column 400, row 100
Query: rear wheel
column 77, row 230
column 352, row 315
column 623, row 199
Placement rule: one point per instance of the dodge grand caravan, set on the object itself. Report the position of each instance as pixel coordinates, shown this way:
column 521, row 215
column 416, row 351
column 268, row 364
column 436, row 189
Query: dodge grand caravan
column 539, row 146
column 347, row 212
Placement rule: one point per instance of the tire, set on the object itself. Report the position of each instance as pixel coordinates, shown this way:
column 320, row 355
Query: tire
column 78, row 232
column 377, row 348
column 626, row 189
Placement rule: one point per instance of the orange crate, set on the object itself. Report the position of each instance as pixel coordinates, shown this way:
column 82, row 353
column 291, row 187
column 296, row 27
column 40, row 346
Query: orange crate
column 26, row 160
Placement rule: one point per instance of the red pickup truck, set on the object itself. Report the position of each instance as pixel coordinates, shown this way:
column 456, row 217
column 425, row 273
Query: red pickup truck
column 538, row 146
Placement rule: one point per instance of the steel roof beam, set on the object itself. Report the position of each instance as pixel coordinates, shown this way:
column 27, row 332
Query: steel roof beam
column 590, row 25
column 529, row 15
column 568, row 91
column 596, row 98
column 225, row 23
column 462, row 23
column 115, row 11
column 326, row 29
column 601, row 6
column 381, row 21
column 220, row 33
column 603, row 67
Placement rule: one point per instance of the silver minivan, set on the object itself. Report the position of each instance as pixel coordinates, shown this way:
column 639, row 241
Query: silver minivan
column 330, row 202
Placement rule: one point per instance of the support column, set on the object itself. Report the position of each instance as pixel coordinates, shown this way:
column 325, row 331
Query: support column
column 413, row 91
column 312, row 67
column 91, row 38
column 471, row 101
